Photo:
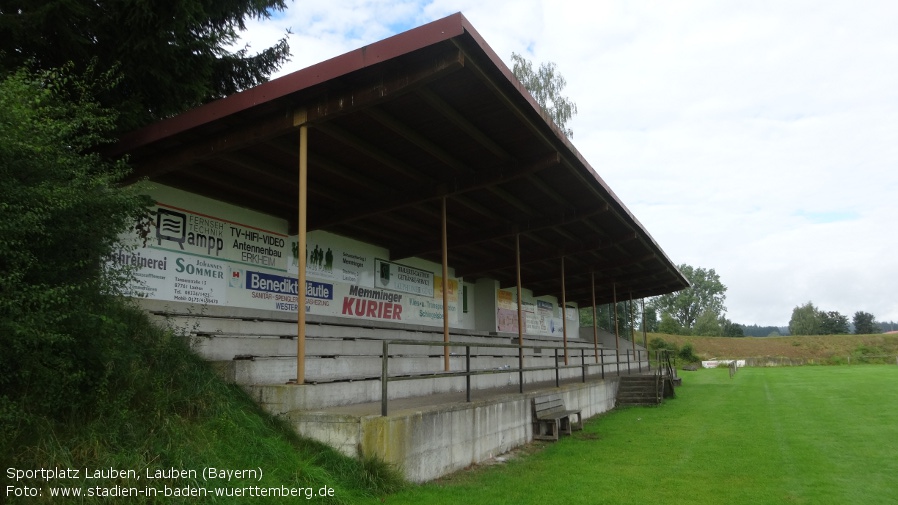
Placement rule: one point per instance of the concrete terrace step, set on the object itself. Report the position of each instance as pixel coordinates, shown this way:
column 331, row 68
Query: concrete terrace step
column 343, row 362
column 223, row 347
column 220, row 338
column 205, row 325
column 284, row 398
column 281, row 369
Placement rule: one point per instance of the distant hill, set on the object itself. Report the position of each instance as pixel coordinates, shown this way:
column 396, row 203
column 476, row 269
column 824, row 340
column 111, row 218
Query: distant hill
column 819, row 347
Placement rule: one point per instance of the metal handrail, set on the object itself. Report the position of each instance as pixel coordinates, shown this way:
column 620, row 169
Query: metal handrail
column 468, row 373
column 665, row 368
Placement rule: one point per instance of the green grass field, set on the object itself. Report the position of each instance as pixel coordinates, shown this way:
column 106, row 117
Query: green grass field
column 804, row 435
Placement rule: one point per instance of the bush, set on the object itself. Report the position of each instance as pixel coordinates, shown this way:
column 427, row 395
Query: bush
column 60, row 217
column 659, row 343
column 687, row 353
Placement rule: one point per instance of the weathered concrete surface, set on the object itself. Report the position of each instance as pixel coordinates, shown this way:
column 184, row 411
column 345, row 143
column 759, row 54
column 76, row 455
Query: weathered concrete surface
column 280, row 398
column 427, row 441
column 431, row 430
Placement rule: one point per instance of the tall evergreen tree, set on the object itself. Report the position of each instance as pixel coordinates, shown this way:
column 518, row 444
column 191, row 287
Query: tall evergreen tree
column 171, row 54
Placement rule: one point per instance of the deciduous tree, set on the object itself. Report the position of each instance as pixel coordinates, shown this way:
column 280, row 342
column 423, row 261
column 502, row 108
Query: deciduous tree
column 705, row 294
column 865, row 323
column 670, row 326
column 707, row 325
column 60, row 218
column 651, row 318
column 546, row 85
column 833, row 323
column 805, row 320
column 731, row 329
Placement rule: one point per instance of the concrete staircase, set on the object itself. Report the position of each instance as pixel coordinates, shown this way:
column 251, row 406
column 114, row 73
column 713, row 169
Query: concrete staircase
column 638, row 390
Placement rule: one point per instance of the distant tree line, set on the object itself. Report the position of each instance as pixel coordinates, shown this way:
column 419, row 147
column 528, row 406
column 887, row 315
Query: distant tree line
column 699, row 310
column 886, row 326
column 696, row 310
column 807, row 319
column 754, row 330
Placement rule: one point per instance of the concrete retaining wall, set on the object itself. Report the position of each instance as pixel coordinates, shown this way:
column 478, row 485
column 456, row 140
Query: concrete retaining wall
column 430, row 442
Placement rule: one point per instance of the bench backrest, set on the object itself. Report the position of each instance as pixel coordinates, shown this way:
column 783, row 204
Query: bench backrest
column 548, row 404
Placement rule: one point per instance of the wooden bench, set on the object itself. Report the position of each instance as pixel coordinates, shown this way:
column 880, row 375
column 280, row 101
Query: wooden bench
column 550, row 418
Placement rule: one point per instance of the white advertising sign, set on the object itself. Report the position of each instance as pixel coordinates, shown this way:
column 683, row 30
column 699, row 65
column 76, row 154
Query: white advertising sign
column 196, row 257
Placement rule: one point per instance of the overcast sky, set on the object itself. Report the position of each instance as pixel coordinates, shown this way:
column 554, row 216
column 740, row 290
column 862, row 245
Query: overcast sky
column 759, row 138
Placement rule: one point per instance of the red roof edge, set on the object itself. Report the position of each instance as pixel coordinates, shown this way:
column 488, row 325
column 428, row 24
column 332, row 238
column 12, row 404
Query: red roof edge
column 391, row 47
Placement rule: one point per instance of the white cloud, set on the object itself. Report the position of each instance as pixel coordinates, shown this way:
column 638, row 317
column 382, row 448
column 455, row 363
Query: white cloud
column 759, row 139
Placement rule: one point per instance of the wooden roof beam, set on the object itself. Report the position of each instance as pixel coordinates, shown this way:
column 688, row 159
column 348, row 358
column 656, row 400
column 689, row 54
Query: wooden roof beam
column 385, row 85
column 534, row 256
column 369, row 150
column 504, row 230
column 462, row 123
column 400, row 198
column 197, row 150
column 252, row 165
column 419, row 140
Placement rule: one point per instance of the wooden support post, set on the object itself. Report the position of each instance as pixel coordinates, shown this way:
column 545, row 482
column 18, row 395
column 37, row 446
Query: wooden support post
column 563, row 312
column 595, row 321
column 645, row 336
column 630, row 324
column 301, row 255
column 517, row 252
column 445, row 289
column 616, row 328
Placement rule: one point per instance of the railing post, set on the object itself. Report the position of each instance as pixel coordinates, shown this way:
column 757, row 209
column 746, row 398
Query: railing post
column 468, row 371
column 557, row 378
column 639, row 361
column 602, row 353
column 583, row 362
column 629, row 370
column 520, row 369
column 384, row 374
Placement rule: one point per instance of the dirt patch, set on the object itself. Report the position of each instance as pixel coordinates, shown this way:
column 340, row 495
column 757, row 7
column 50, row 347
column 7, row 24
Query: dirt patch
column 497, row 460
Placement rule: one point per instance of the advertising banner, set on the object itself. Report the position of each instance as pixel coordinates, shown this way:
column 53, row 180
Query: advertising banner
column 539, row 316
column 402, row 278
column 196, row 257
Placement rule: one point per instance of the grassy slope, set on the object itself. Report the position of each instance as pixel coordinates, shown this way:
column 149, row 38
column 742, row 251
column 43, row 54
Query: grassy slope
column 167, row 409
column 818, row 347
